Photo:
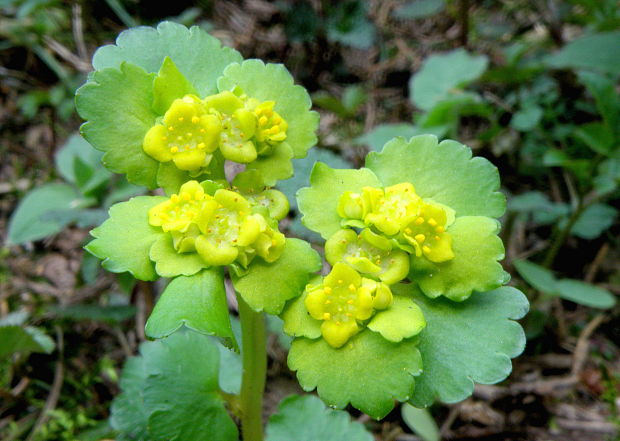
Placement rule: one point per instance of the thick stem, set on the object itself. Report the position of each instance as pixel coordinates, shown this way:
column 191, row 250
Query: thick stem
column 254, row 356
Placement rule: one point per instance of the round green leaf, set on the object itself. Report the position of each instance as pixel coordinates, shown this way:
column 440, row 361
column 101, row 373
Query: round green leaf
column 585, row 293
column 441, row 74
column 129, row 416
column 466, row 342
column 182, row 400
column 369, row 372
column 403, row 319
column 539, row 277
column 276, row 166
column 475, row 267
column 444, row 172
column 273, row 82
column 198, row 302
column 305, row 418
column 267, row 286
column 169, row 263
column 124, row 240
column 318, row 203
column 28, row 221
column 198, row 56
column 116, row 104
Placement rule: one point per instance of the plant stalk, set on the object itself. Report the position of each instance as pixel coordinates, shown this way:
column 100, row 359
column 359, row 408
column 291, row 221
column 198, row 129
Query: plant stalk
column 254, row 355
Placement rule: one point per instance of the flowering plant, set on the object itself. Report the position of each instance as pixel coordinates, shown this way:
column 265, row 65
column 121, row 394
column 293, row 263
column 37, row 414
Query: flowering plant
column 414, row 295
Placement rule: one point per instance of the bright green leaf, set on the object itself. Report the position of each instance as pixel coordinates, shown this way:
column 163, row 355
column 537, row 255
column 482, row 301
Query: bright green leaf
column 444, row 172
column 297, row 319
column 585, row 294
column 29, row 222
column 276, row 166
column 381, row 134
column 169, row 84
column 369, row 372
column 603, row 89
column 198, row 302
column 267, row 286
column 598, row 136
column 124, row 240
column 272, row 82
column 441, row 74
column 305, row 418
column 199, row 56
column 466, row 342
column 318, row 203
column 116, row 105
column 403, row 319
column 170, row 263
column 421, row 422
column 475, row 267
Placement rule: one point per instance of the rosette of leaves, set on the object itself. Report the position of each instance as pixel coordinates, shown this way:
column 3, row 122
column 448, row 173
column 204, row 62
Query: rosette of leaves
column 469, row 334
column 190, row 237
column 141, row 83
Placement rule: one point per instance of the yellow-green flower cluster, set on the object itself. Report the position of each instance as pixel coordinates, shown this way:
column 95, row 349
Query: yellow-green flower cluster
column 223, row 229
column 343, row 301
column 192, row 129
column 416, row 225
column 395, row 224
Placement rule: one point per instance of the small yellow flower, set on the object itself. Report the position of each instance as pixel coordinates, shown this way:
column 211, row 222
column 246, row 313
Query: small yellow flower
column 187, row 135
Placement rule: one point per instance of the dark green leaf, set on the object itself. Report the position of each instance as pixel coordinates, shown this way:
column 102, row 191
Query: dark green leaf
column 585, row 294
column 591, row 52
column 17, row 339
column 539, row 277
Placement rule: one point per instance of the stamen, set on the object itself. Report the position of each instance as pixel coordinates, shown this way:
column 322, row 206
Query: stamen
column 426, row 249
column 419, row 221
column 420, row 238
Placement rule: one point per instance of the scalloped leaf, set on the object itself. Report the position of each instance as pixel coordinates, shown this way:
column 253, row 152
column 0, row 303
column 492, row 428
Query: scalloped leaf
column 475, row 267
column 466, row 342
column 276, row 166
column 305, row 418
column 169, row 263
column 198, row 302
column 318, row 202
column 198, row 56
column 184, row 402
column 124, row 240
column 369, row 372
column 116, row 104
column 403, row 319
column 128, row 415
column 267, row 286
column 273, row 82
column 444, row 172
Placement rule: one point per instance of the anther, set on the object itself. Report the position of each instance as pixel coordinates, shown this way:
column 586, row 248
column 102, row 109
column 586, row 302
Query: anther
column 408, row 230
column 174, row 149
column 175, row 197
column 440, row 229
column 195, row 119
column 350, row 302
column 340, row 282
column 426, row 249
column 201, row 145
column 432, row 222
column 181, row 118
column 420, row 238
column 419, row 221
column 437, row 237
column 327, row 290
column 327, row 316
column 170, row 128
column 352, row 287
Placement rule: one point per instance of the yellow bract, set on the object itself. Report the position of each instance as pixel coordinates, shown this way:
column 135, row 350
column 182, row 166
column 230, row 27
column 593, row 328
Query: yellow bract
column 193, row 129
column 221, row 228
column 342, row 301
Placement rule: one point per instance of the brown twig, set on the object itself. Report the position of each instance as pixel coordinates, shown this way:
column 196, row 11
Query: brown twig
column 78, row 31
column 596, row 263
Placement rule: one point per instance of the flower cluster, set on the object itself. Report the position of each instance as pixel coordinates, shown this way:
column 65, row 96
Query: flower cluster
column 223, row 228
column 242, row 128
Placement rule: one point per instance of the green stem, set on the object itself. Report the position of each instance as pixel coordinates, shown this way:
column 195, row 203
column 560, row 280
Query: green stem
column 563, row 235
column 254, row 354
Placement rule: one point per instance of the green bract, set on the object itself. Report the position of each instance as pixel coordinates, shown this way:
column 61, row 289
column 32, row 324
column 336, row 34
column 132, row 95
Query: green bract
column 170, row 104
